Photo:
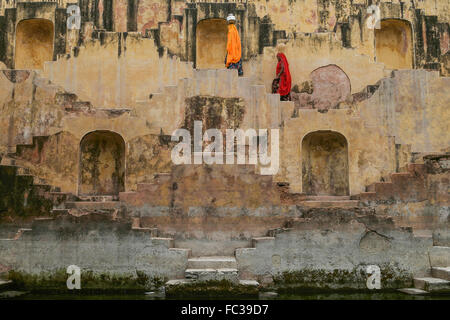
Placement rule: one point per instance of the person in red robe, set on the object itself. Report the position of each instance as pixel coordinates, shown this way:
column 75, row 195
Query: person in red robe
column 283, row 78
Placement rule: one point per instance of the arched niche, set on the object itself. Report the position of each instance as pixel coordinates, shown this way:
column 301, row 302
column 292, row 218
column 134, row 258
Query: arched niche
column 34, row 43
column 211, row 43
column 102, row 164
column 325, row 164
column 394, row 44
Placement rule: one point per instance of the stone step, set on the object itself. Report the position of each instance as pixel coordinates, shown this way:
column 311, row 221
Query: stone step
column 252, row 283
column 330, row 204
column 5, row 284
column 98, row 198
column 7, row 161
column 262, row 241
column 413, row 291
column 60, row 211
column 212, row 262
column 400, row 177
column 207, row 274
column 41, row 189
column 34, row 180
column 380, row 186
column 441, row 237
column 149, row 186
column 20, row 233
column 166, row 242
column 326, row 198
column 17, row 235
column 441, row 273
column 365, row 196
column 432, row 284
column 11, row 294
column 176, row 282
column 274, row 232
column 153, row 232
column 92, row 205
column 413, row 168
column 186, row 252
column 439, row 256
column 59, row 198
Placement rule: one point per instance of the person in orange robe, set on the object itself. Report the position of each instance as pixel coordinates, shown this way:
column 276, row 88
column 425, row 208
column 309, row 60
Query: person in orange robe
column 233, row 58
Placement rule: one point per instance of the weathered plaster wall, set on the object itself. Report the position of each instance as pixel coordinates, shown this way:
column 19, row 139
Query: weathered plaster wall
column 151, row 12
column 146, row 156
column 326, row 250
column 311, row 51
column 365, row 163
column 412, row 106
column 130, row 69
column 335, row 255
column 109, row 252
column 290, row 15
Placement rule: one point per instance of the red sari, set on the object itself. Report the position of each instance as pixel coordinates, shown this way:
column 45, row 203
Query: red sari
column 285, row 78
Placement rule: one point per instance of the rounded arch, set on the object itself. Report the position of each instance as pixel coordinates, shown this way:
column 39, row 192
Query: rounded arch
column 211, row 43
column 325, row 166
column 34, row 43
column 102, row 163
column 394, row 44
column 331, row 86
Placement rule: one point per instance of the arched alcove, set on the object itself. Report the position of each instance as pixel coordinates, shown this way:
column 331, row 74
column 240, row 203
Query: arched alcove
column 102, row 164
column 394, row 44
column 325, row 164
column 34, row 43
column 211, row 44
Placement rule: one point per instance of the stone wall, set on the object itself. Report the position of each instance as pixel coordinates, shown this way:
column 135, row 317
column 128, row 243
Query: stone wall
column 323, row 248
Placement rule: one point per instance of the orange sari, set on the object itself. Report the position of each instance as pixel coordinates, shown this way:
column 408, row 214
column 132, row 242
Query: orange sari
column 233, row 45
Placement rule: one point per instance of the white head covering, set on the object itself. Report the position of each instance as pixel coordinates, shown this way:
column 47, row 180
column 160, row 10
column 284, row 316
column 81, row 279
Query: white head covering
column 231, row 17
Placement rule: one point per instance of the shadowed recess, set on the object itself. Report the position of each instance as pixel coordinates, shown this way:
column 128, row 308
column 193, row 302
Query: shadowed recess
column 102, row 164
column 325, row 164
column 394, row 44
column 211, row 43
column 34, row 43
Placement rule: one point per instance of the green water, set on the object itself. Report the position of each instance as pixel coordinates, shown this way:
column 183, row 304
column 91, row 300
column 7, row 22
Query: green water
column 309, row 296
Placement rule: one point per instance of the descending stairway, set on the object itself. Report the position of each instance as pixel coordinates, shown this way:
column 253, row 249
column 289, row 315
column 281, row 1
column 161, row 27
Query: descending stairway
column 263, row 109
column 438, row 278
column 211, row 268
column 25, row 192
column 407, row 185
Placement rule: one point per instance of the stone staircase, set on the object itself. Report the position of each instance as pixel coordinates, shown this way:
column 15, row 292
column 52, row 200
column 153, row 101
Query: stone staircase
column 437, row 279
column 219, row 268
column 263, row 109
column 407, row 185
column 26, row 192
column 211, row 268
column 169, row 243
